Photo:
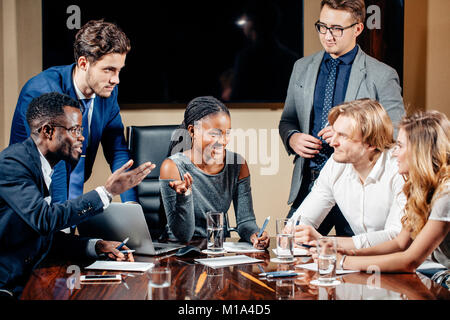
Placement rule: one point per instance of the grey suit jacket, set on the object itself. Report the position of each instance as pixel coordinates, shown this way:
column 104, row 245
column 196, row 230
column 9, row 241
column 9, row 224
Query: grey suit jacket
column 369, row 78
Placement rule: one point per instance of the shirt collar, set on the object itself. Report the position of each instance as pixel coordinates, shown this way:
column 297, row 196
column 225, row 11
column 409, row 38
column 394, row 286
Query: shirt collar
column 377, row 170
column 78, row 92
column 347, row 58
column 47, row 170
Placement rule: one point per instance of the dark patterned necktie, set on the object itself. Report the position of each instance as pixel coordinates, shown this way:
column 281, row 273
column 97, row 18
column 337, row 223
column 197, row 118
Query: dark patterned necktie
column 326, row 151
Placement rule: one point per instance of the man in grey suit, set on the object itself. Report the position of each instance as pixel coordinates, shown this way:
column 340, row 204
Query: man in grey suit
column 341, row 72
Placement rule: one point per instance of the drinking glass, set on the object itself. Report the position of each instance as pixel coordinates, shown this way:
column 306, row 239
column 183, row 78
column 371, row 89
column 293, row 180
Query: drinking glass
column 214, row 227
column 158, row 283
column 326, row 249
column 285, row 240
column 285, row 289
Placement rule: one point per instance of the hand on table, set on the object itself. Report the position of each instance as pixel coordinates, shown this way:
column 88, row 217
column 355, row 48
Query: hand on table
column 109, row 248
column 304, row 234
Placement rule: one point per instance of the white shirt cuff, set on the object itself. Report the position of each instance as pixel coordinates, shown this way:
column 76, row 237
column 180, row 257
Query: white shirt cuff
column 103, row 196
column 90, row 249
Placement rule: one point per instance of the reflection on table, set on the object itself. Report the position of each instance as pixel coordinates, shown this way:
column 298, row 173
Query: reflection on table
column 194, row 281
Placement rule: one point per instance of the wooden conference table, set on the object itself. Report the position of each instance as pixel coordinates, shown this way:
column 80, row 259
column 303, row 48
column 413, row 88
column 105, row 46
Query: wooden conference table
column 195, row 281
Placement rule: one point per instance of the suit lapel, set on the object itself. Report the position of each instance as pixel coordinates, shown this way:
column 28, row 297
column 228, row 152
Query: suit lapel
column 312, row 73
column 67, row 84
column 357, row 76
column 36, row 163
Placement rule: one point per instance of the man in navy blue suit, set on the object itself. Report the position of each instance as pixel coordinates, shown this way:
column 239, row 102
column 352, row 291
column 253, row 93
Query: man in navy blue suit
column 29, row 221
column 100, row 49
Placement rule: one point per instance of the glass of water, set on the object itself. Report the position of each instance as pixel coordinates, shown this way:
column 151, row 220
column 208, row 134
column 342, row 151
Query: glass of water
column 285, row 240
column 214, row 228
column 158, row 283
column 326, row 248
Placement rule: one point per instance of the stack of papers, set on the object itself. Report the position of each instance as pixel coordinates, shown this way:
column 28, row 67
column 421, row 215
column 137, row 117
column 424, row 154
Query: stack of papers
column 313, row 267
column 227, row 261
column 120, row 266
column 240, row 247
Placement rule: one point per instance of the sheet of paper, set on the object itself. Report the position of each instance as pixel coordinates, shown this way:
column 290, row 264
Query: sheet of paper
column 227, row 261
column 313, row 267
column 120, row 266
column 240, row 247
column 297, row 252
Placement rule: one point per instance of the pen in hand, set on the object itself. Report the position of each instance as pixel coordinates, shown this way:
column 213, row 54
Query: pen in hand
column 120, row 246
column 263, row 227
column 124, row 242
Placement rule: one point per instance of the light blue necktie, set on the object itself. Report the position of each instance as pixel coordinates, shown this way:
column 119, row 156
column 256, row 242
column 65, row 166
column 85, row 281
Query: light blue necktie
column 77, row 175
column 326, row 151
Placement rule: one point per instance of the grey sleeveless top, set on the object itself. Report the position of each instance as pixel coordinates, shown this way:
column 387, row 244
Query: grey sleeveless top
column 186, row 214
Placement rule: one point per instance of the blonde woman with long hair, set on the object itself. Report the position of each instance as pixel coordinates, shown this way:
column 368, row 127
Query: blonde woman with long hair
column 422, row 152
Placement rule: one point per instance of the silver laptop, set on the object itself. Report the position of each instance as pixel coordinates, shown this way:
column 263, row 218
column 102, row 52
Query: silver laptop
column 125, row 220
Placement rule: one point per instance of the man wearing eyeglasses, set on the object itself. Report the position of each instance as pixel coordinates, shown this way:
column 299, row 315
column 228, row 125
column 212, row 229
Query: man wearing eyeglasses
column 29, row 221
column 339, row 73
column 100, row 49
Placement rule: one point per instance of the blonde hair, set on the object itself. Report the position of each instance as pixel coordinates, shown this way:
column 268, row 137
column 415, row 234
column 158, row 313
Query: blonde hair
column 370, row 118
column 428, row 136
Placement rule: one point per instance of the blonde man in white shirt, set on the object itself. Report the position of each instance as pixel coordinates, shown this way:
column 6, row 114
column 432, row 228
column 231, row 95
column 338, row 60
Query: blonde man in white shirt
column 361, row 177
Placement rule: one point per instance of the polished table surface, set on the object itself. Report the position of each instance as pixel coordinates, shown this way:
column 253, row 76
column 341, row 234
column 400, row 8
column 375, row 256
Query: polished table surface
column 239, row 282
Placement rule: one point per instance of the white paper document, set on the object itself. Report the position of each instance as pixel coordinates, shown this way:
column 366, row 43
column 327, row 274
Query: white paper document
column 313, row 267
column 240, row 247
column 120, row 266
column 297, row 252
column 227, row 261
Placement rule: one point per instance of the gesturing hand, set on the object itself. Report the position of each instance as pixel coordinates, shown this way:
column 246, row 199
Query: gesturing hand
column 305, row 145
column 122, row 180
column 181, row 187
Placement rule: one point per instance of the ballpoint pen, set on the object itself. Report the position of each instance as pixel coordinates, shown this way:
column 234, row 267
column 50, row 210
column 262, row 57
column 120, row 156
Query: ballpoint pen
column 279, row 274
column 306, row 245
column 122, row 244
column 263, row 227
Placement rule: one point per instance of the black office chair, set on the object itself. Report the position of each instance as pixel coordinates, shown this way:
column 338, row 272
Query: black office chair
column 151, row 143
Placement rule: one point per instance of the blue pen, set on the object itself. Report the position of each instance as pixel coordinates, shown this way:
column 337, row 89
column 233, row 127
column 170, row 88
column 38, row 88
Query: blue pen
column 307, row 245
column 122, row 244
column 263, row 227
column 279, row 274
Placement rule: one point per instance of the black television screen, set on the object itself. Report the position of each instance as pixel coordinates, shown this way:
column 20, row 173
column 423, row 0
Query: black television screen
column 184, row 49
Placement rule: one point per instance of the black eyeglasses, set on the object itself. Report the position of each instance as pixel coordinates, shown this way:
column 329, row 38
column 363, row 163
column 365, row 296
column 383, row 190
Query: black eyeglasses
column 75, row 131
column 335, row 31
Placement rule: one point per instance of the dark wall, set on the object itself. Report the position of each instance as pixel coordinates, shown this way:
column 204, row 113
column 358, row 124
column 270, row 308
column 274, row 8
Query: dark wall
column 180, row 49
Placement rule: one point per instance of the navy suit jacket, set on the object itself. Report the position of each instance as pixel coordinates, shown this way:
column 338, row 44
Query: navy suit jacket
column 28, row 224
column 106, row 127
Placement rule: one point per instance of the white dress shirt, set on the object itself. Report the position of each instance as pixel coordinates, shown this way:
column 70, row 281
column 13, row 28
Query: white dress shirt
column 373, row 209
